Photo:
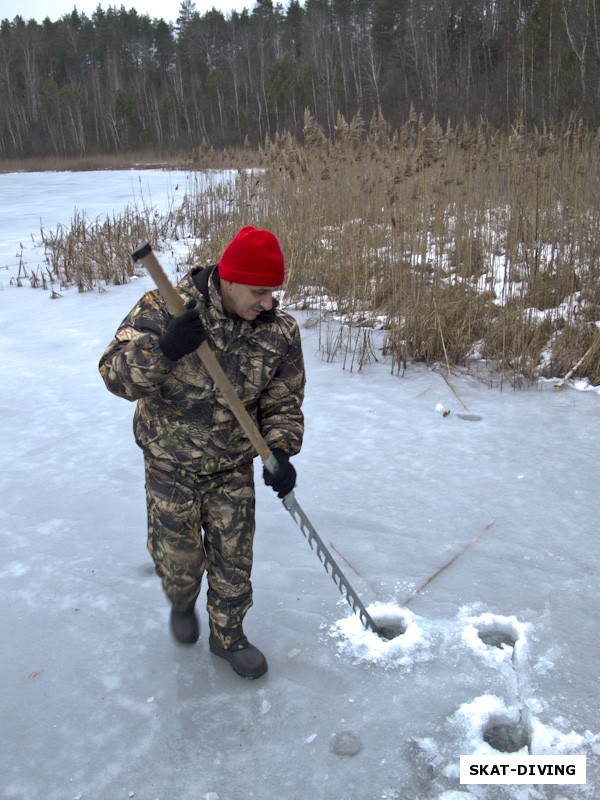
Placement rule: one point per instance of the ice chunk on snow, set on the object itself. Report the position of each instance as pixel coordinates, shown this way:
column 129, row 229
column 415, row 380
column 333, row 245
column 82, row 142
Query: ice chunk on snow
column 265, row 707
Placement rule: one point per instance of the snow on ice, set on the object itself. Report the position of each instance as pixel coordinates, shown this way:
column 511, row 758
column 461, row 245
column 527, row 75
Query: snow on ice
column 499, row 650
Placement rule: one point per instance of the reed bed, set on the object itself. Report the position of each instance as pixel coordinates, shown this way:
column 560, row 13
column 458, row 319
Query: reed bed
column 459, row 246
column 92, row 253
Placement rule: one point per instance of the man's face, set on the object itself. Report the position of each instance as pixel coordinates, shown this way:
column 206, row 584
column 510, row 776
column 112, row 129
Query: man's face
column 245, row 301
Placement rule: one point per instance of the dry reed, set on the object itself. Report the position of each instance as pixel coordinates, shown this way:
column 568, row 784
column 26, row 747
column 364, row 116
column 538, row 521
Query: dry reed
column 462, row 246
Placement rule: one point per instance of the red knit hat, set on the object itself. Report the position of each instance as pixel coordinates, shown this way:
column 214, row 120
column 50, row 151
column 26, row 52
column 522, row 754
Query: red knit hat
column 253, row 257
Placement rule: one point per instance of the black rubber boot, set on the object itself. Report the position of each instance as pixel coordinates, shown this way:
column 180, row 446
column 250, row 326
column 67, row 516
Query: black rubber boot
column 246, row 660
column 185, row 626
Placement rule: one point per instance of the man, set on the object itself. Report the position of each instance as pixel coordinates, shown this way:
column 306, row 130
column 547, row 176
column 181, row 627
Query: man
column 198, row 461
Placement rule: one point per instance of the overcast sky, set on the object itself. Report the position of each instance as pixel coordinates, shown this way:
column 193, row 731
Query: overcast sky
column 165, row 9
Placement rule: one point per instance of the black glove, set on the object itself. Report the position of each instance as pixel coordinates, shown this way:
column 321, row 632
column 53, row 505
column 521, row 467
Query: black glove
column 285, row 480
column 184, row 334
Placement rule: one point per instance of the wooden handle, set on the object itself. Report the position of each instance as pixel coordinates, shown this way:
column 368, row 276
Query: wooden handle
column 174, row 302
column 177, row 307
column 224, row 385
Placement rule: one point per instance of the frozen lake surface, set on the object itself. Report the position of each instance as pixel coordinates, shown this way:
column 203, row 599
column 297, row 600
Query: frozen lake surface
column 398, row 475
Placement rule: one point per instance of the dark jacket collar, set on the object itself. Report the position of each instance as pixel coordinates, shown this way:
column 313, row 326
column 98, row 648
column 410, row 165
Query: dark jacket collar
column 208, row 277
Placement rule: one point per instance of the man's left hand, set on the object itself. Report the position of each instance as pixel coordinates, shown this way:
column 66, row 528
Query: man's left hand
column 285, row 480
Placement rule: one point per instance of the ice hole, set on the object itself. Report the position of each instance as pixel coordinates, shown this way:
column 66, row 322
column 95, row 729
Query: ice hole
column 389, row 627
column 497, row 638
column 495, row 634
column 506, row 736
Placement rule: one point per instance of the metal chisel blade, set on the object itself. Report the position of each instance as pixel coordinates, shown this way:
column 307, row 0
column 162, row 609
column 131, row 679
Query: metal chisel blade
column 325, row 557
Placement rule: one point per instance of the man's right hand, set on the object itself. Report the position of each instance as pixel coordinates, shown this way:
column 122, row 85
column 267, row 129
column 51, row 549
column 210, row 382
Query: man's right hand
column 184, row 334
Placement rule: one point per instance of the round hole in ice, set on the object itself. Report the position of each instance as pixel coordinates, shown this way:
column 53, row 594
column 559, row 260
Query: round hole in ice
column 506, row 736
column 496, row 637
column 390, row 627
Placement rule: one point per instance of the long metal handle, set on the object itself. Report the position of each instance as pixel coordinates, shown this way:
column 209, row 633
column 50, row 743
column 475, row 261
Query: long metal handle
column 177, row 307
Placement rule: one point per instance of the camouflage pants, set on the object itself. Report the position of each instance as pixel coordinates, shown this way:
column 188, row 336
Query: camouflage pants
column 199, row 524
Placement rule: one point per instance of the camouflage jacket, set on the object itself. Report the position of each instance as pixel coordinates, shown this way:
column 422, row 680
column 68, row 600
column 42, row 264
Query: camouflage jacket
column 181, row 419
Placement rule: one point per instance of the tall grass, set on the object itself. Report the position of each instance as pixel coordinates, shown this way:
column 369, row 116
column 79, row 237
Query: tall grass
column 90, row 254
column 465, row 242
column 462, row 246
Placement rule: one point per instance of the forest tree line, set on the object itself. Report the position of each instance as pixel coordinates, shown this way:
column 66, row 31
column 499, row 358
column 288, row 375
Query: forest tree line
column 120, row 80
